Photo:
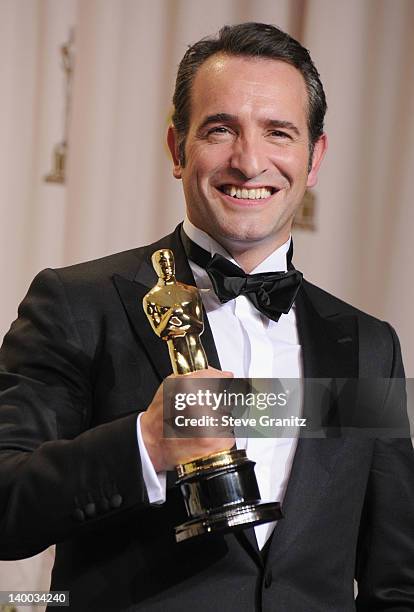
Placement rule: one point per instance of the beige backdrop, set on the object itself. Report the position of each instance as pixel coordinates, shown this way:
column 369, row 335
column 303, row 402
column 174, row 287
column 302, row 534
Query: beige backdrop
column 120, row 192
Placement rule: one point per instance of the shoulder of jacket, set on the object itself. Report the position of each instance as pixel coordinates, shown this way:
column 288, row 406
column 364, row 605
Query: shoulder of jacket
column 101, row 270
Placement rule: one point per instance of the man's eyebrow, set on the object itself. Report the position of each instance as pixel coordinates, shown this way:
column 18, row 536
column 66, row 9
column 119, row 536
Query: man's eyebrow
column 218, row 118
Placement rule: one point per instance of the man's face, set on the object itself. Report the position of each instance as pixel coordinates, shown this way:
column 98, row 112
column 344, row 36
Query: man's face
column 247, row 151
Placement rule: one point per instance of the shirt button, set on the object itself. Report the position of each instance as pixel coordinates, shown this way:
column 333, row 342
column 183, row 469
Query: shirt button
column 115, row 501
column 79, row 514
column 268, row 579
column 104, row 504
column 90, row 510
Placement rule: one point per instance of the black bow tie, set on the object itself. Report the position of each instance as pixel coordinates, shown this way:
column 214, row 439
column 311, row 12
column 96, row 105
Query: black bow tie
column 272, row 293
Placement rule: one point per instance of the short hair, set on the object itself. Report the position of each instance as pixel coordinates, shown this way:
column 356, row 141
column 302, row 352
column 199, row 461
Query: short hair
column 254, row 40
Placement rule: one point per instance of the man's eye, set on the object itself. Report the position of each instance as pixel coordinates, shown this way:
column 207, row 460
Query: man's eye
column 279, row 134
column 218, row 130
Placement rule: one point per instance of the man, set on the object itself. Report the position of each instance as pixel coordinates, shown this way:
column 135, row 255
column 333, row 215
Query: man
column 79, row 466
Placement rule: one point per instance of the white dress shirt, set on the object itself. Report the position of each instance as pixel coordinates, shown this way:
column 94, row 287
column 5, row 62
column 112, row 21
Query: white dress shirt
column 251, row 346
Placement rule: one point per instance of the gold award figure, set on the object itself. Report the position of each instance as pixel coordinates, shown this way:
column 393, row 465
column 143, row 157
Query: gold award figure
column 175, row 313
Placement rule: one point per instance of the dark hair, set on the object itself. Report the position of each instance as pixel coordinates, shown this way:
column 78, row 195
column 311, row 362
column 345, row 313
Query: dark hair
column 251, row 40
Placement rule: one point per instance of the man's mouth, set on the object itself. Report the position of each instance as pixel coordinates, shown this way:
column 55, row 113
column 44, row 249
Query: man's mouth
column 241, row 193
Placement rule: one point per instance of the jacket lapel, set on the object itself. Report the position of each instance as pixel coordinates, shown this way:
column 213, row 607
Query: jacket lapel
column 132, row 293
column 328, row 338
column 329, row 350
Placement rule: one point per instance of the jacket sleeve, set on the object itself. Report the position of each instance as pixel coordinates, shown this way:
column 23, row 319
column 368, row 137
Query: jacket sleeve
column 385, row 562
column 58, row 477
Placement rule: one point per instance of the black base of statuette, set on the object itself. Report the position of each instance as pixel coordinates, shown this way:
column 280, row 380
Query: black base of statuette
column 221, row 494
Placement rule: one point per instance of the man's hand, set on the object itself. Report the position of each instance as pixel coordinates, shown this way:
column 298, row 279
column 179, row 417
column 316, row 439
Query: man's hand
column 166, row 453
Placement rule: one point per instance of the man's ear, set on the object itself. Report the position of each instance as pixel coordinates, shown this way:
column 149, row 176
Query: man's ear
column 173, row 146
column 319, row 150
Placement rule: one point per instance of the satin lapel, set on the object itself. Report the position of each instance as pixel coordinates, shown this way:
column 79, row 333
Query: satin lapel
column 132, row 293
column 329, row 340
column 330, row 350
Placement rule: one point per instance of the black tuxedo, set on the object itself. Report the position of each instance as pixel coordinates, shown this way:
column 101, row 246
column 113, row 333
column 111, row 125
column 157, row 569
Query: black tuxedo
column 80, row 362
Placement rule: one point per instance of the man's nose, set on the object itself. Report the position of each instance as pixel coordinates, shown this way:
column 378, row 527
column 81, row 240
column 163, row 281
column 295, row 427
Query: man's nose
column 248, row 157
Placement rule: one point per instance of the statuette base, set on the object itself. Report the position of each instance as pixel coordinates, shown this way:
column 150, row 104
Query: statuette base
column 221, row 494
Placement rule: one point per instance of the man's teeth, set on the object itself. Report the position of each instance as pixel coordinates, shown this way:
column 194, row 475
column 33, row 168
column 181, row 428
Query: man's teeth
column 248, row 194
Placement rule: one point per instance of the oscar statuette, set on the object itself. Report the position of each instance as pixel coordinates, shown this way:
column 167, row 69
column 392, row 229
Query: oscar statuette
column 220, row 490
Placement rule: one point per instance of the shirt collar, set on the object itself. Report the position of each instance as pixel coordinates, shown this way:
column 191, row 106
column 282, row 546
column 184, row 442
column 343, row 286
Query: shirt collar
column 276, row 261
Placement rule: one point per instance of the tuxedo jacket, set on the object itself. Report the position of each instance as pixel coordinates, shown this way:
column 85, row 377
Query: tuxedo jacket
column 78, row 365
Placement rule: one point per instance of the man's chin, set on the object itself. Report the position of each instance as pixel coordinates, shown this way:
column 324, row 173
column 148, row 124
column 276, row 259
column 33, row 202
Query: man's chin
column 248, row 235
column 229, row 228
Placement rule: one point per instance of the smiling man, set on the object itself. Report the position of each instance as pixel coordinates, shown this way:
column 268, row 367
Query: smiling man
column 248, row 154
column 83, row 460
